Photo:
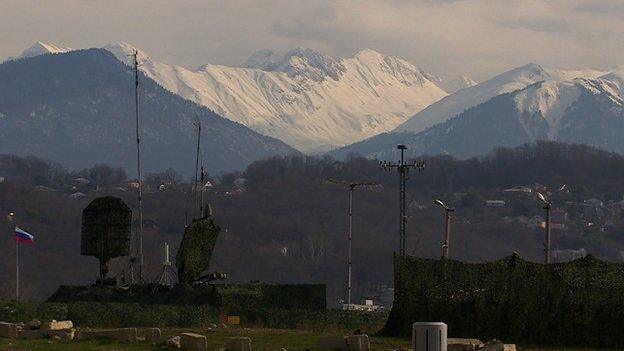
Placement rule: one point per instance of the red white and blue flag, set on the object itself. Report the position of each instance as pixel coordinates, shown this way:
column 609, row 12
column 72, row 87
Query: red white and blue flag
column 23, row 236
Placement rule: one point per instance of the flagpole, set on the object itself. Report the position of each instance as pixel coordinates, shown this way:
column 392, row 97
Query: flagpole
column 16, row 269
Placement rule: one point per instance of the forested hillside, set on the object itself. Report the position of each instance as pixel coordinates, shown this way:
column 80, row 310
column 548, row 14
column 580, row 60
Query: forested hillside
column 282, row 221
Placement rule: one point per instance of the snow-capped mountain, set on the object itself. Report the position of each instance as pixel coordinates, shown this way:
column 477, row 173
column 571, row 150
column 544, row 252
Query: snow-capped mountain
column 561, row 106
column 77, row 109
column 40, row 48
column 506, row 82
column 453, row 84
column 309, row 100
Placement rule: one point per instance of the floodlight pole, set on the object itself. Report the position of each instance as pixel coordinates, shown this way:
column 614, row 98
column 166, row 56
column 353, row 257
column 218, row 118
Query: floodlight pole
column 352, row 187
column 548, row 208
column 403, row 168
column 547, row 250
column 10, row 218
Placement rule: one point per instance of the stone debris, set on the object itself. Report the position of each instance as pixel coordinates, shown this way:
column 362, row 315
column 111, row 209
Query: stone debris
column 9, row 330
column 192, row 341
column 153, row 335
column 510, row 347
column 57, row 325
column 492, row 345
column 173, row 342
column 331, row 343
column 359, row 342
column 33, row 324
column 238, row 344
column 122, row 334
column 463, row 344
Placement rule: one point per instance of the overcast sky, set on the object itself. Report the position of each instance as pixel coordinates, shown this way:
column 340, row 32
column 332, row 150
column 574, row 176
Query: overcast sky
column 478, row 38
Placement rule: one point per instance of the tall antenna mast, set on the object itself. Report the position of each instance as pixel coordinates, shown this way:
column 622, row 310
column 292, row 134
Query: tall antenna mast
column 138, row 143
column 196, row 168
column 352, row 187
column 403, row 168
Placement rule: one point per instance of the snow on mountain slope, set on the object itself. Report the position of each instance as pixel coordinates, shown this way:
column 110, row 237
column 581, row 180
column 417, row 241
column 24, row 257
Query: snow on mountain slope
column 549, row 100
column 309, row 100
column 464, row 99
column 454, row 84
column 586, row 111
column 40, row 48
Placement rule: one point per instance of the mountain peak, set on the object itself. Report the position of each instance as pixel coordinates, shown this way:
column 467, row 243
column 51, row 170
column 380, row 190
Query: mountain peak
column 41, row 48
column 124, row 51
column 263, row 59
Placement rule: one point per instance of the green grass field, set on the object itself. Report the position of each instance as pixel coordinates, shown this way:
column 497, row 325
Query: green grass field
column 262, row 340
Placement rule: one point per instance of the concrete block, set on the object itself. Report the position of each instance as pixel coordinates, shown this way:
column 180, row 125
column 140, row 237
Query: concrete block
column 359, row 342
column 492, row 345
column 238, row 344
column 63, row 334
column 9, row 330
column 122, row 334
column 57, row 325
column 331, row 343
column 153, row 335
column 192, row 341
column 463, row 344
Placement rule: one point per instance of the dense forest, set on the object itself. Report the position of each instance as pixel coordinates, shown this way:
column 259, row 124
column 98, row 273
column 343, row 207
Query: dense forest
column 283, row 222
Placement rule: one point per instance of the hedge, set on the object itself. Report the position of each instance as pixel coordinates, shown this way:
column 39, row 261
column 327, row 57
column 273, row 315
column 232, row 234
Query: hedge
column 113, row 315
column 578, row 303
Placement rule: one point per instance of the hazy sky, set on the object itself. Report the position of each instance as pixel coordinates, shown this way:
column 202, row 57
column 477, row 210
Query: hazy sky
column 474, row 37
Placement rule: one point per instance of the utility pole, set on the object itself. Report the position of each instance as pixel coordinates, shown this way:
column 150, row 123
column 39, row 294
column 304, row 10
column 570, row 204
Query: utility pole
column 548, row 208
column 447, row 228
column 403, row 168
column 139, row 180
column 352, row 186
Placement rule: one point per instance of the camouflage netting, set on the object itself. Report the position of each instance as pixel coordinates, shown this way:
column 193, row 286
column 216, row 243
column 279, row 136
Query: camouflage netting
column 575, row 303
column 196, row 249
column 106, row 228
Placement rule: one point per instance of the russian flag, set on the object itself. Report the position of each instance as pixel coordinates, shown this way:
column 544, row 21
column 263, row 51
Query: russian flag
column 24, row 237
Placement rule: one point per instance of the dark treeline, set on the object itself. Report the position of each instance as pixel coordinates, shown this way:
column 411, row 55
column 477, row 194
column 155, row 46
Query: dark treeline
column 283, row 223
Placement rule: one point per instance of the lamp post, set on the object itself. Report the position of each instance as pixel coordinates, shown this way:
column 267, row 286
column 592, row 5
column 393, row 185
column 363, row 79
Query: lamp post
column 447, row 228
column 352, row 187
column 10, row 218
column 547, row 207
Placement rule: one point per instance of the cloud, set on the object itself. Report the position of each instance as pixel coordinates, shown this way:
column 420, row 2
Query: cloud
column 474, row 37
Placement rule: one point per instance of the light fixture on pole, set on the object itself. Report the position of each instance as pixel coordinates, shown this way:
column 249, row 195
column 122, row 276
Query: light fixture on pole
column 403, row 168
column 547, row 207
column 447, row 228
column 352, row 187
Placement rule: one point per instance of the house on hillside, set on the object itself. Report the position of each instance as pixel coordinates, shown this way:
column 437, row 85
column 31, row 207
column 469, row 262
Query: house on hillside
column 593, row 202
column 567, row 255
column 77, row 195
column 519, row 189
column 495, row 203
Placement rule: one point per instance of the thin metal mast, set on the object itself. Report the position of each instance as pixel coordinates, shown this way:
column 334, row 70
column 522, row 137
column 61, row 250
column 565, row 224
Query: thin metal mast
column 139, row 180
column 196, row 168
column 352, row 187
column 403, row 168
